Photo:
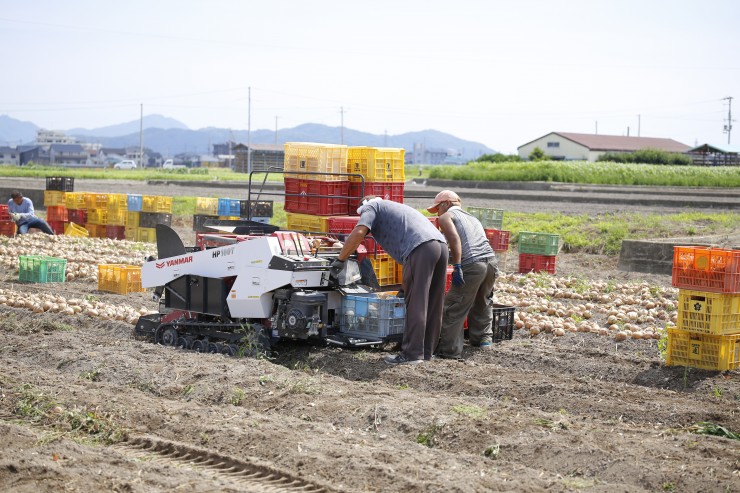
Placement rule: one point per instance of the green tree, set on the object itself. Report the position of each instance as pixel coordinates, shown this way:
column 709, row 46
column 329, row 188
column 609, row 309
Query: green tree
column 537, row 154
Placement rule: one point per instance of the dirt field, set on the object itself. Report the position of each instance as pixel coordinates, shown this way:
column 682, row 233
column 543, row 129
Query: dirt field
column 86, row 407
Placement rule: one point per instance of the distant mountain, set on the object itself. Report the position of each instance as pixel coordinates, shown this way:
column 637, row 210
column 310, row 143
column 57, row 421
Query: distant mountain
column 149, row 121
column 170, row 137
column 14, row 132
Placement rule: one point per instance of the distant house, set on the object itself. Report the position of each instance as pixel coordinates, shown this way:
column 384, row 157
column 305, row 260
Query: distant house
column 569, row 146
column 263, row 157
column 9, row 155
column 28, row 154
column 715, row 155
column 67, row 154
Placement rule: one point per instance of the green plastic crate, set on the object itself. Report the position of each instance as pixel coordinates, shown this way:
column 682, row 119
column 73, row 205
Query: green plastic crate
column 489, row 218
column 538, row 243
column 38, row 268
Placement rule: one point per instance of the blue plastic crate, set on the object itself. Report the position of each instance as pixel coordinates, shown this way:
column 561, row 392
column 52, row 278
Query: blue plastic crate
column 371, row 316
column 134, row 202
column 229, row 207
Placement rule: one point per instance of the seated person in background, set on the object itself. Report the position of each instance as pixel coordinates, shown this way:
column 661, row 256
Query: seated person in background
column 21, row 212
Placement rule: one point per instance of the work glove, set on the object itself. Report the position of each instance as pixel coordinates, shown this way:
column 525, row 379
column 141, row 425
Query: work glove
column 335, row 268
column 457, row 275
column 14, row 216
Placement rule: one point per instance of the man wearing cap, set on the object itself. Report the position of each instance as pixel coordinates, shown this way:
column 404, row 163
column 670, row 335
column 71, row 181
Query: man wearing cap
column 413, row 241
column 473, row 276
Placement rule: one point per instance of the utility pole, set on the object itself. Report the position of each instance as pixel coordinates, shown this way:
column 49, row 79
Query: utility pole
column 596, row 130
column 249, row 131
column 638, row 125
column 728, row 127
column 141, row 137
column 276, row 118
column 341, row 135
column 385, row 139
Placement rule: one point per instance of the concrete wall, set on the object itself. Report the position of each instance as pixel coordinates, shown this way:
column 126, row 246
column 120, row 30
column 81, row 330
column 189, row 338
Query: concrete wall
column 37, row 196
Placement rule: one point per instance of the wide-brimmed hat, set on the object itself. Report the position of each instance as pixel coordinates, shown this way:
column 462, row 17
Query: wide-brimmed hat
column 443, row 196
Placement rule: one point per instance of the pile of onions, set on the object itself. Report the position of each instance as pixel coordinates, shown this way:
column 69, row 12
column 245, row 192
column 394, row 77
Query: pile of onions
column 630, row 310
column 47, row 302
column 83, row 255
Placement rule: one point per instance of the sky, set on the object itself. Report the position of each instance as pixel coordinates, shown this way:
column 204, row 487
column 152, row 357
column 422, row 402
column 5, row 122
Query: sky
column 498, row 72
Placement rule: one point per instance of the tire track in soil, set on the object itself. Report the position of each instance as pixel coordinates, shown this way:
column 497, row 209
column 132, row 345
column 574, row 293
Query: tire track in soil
column 241, row 474
column 254, row 477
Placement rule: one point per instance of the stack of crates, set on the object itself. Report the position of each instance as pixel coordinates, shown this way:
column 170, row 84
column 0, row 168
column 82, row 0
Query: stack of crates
column 155, row 209
column 55, row 201
column 119, row 278
column 207, row 208
column 7, row 227
column 381, row 169
column 707, row 334
column 537, row 252
column 97, row 214
column 41, row 269
column 77, row 203
column 492, row 221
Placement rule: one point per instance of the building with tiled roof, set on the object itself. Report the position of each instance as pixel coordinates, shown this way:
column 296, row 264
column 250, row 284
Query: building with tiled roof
column 569, row 146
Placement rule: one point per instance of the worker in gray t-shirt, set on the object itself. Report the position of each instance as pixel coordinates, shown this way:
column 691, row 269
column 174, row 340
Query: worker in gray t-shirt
column 413, row 241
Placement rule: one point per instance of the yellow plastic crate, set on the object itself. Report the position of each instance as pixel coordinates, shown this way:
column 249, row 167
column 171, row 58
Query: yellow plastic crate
column 147, row 235
column 132, row 219
column 386, row 269
column 207, row 206
column 54, row 198
column 708, row 313
column 75, row 200
column 156, row 203
column 229, row 218
column 72, row 229
column 97, row 216
column 116, row 218
column 307, row 222
column 117, row 202
column 383, row 164
column 306, row 157
column 97, row 201
column 119, row 278
column 131, row 233
column 708, row 352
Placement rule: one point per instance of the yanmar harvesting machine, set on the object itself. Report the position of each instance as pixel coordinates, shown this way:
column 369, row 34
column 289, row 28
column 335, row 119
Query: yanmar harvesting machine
column 256, row 289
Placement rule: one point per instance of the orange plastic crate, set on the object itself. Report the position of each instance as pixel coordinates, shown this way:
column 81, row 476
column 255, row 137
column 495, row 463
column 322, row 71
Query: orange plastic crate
column 119, row 278
column 708, row 352
column 708, row 313
column 7, row 228
column 706, row 269
column 95, row 230
column 57, row 213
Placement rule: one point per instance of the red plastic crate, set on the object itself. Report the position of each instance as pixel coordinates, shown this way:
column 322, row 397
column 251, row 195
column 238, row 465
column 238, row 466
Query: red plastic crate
column 529, row 262
column 498, row 239
column 77, row 216
column 7, row 228
column 4, row 216
column 57, row 226
column 345, row 225
column 56, row 213
column 385, row 190
column 706, row 269
column 320, row 198
column 115, row 232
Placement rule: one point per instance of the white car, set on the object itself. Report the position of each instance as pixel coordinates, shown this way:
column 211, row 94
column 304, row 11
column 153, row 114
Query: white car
column 125, row 164
column 170, row 164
